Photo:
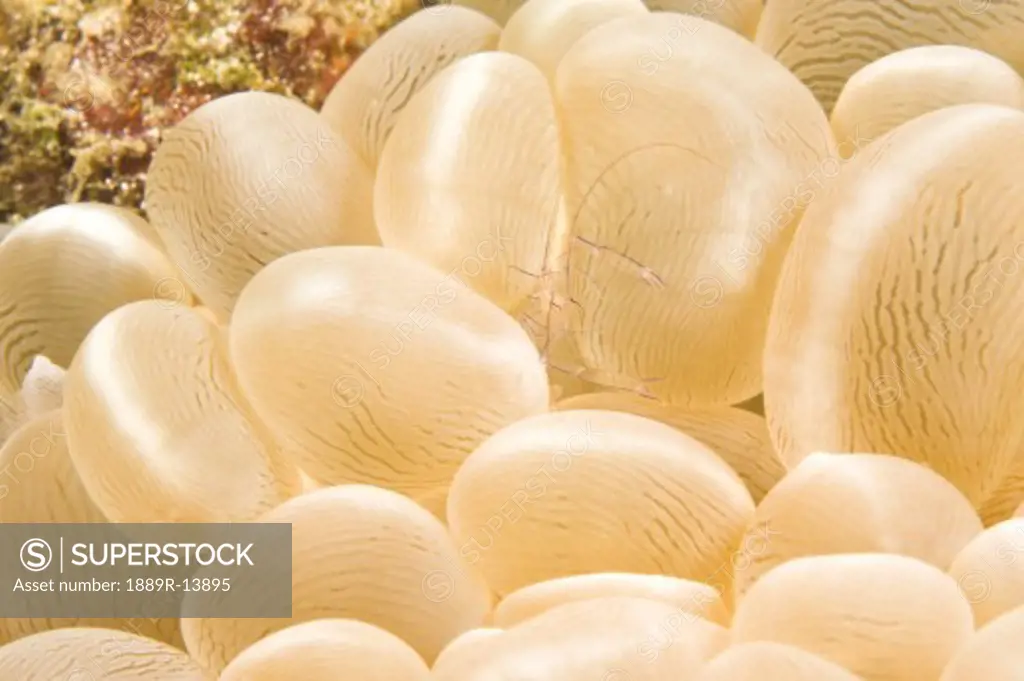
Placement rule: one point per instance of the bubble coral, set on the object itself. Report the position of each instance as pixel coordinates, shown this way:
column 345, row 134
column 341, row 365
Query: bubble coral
column 990, row 571
column 692, row 599
column 61, row 271
column 859, row 503
column 762, row 661
column 323, row 650
column 606, row 222
column 576, row 492
column 612, row 638
column 738, row 436
column 365, row 553
column 158, row 428
column 903, row 85
column 994, row 652
column 899, row 302
column 826, row 42
column 226, row 206
column 100, row 654
column 407, row 373
column 882, row 616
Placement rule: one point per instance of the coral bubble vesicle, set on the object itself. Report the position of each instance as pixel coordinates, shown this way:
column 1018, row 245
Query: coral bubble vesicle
column 676, row 231
column 247, row 178
column 882, row 616
column 60, row 272
column 327, row 650
column 738, row 436
column 544, row 30
column 469, row 180
column 576, row 492
column 157, row 427
column 825, row 42
column 899, row 309
column 994, row 653
column 847, row 503
column 365, row 104
column 762, row 661
column 377, row 368
column 364, row 553
column 990, row 571
column 89, row 654
column 910, row 83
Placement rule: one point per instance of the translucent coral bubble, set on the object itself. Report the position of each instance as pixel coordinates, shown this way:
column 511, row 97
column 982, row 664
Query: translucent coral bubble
column 60, row 272
column 453, row 188
column 896, row 323
column 365, row 104
column 380, row 369
column 771, row 662
column 739, row 437
column 576, row 492
column 990, row 571
column 326, row 649
column 247, row 178
column 904, row 85
column 676, row 232
column 544, row 30
column 40, row 485
column 88, row 654
column 362, row 553
column 849, row 503
column 158, row 428
column 470, row 645
column 992, row 654
column 882, row 616
column 741, row 16
column 691, row 599
column 609, row 639
column 863, row 31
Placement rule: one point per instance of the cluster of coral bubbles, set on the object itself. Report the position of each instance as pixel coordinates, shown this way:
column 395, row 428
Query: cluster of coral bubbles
column 476, row 330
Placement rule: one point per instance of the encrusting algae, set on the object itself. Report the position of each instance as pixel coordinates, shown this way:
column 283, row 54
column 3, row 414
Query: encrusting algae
column 87, row 85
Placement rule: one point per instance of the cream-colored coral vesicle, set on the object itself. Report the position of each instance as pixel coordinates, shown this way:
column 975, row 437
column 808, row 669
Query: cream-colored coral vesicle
column 326, row 650
column 676, row 232
column 990, row 571
column 904, row 85
column 455, row 190
column 858, row 503
column 899, row 305
column 88, row 654
column 741, row 16
column 543, row 30
column 827, row 41
column 464, row 649
column 613, row 638
column 158, row 428
column 379, row 368
column 42, row 390
column 60, row 272
column 365, row 104
column 994, row 653
column 40, row 485
column 692, row 599
column 575, row 492
column 738, row 436
column 764, row 661
column 247, row 178
column 363, row 553
column 882, row 616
